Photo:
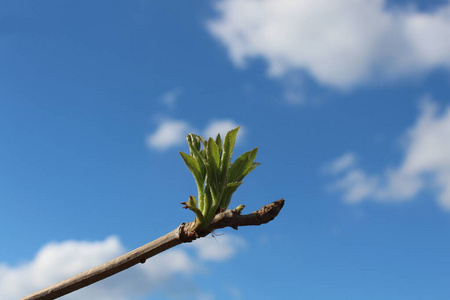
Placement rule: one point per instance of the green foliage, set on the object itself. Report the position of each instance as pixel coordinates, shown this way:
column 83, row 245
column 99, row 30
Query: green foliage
column 216, row 177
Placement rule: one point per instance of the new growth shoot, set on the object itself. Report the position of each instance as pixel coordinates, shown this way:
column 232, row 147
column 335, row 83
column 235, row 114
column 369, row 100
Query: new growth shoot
column 216, row 177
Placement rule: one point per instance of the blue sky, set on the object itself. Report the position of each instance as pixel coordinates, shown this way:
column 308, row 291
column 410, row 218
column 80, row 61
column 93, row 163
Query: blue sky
column 348, row 102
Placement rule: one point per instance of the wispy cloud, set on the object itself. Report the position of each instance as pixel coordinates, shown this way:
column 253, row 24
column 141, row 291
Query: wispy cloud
column 58, row 261
column 343, row 163
column 168, row 134
column 54, row 262
column 171, row 133
column 170, row 98
column 340, row 43
column 356, row 184
column 294, row 89
column 425, row 165
column 213, row 249
column 222, row 127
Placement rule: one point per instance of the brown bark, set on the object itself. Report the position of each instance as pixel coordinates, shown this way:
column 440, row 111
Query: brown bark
column 228, row 218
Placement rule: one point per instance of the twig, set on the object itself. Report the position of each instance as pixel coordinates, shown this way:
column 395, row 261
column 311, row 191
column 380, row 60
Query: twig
column 228, row 218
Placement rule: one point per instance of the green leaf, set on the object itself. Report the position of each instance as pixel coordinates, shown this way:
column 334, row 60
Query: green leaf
column 219, row 142
column 251, row 168
column 200, row 216
column 192, row 201
column 204, row 142
column 215, row 203
column 228, row 145
column 194, row 167
column 216, row 177
column 228, row 193
column 212, row 153
column 197, row 154
column 212, row 167
column 242, row 166
column 199, row 172
column 193, row 142
column 207, row 204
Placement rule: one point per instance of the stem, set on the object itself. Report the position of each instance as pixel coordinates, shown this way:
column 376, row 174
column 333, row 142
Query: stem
column 182, row 234
column 108, row 269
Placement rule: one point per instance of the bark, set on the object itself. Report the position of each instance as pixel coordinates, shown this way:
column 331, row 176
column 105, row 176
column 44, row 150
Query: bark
column 182, row 234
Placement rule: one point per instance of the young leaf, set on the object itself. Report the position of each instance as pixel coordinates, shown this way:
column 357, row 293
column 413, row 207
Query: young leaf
column 194, row 167
column 194, row 141
column 251, row 168
column 217, row 179
column 240, row 168
column 200, row 220
column 198, row 155
column 228, row 145
column 212, row 167
column 207, row 203
column 212, row 153
column 228, row 193
column 219, row 143
column 192, row 201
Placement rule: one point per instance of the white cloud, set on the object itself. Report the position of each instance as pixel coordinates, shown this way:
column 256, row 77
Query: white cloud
column 222, row 127
column 341, row 164
column 169, row 98
column 59, row 261
column 426, row 165
column 218, row 249
column 171, row 133
column 168, row 134
column 55, row 262
column 356, row 185
column 294, row 89
column 234, row 292
column 340, row 43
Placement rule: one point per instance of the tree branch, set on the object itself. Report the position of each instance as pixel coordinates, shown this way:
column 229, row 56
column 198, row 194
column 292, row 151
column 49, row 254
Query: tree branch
column 182, row 234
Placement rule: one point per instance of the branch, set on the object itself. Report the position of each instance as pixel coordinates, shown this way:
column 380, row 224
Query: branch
column 228, row 218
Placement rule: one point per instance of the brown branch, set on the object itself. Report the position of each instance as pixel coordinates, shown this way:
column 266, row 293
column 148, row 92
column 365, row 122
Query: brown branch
column 228, row 218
